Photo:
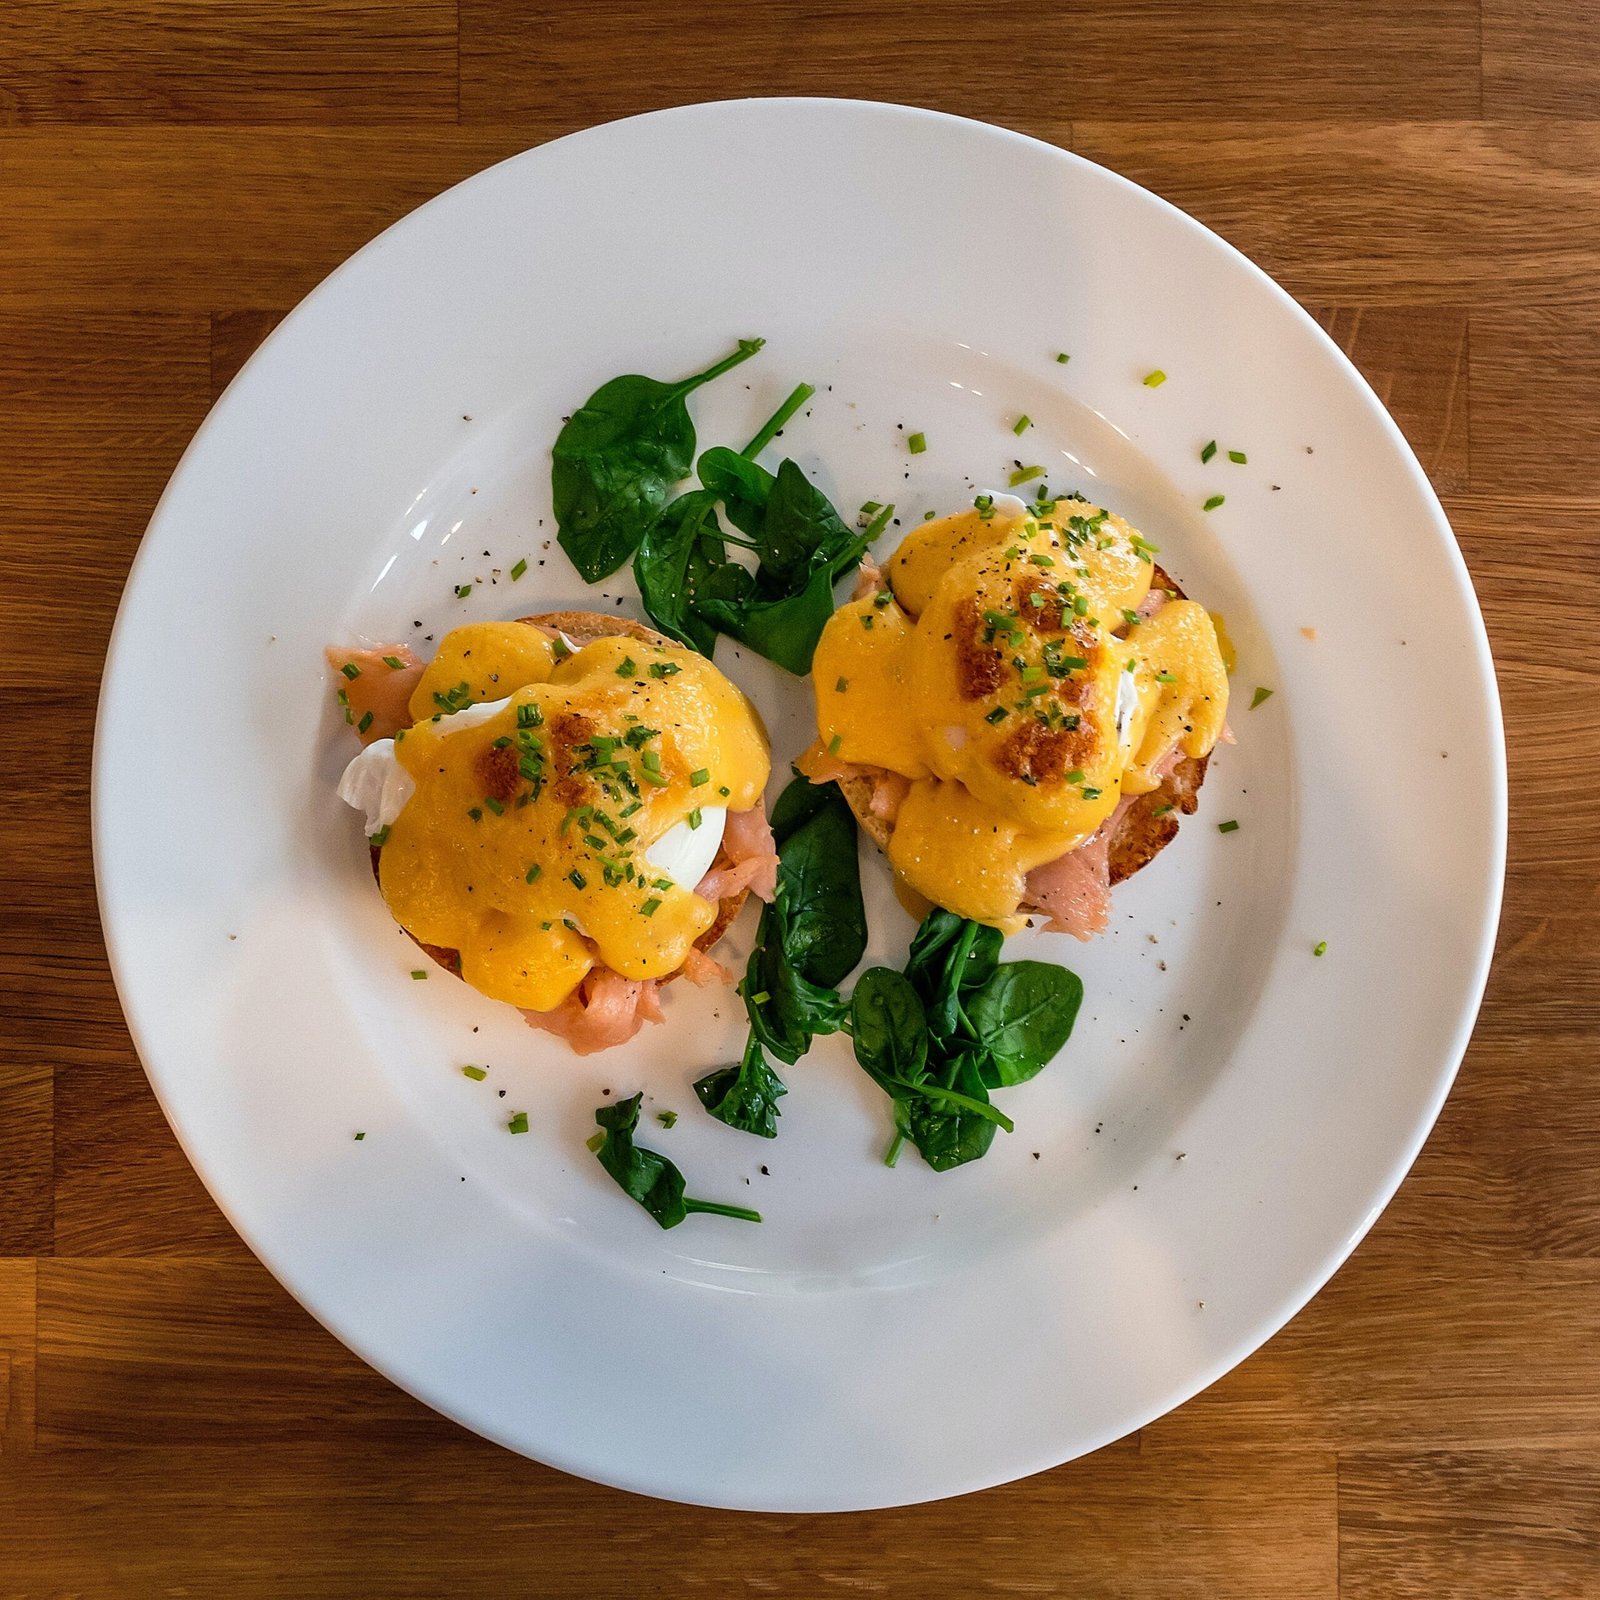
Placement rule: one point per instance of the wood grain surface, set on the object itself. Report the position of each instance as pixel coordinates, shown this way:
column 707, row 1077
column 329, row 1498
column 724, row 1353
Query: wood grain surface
column 175, row 174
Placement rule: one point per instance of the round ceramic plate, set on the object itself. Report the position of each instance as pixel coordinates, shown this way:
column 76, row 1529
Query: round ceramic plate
column 1233, row 1110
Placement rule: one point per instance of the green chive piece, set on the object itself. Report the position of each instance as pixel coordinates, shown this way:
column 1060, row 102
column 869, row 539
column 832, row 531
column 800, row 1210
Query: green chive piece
column 1320, row 948
column 1227, row 827
column 1260, row 697
column 1215, row 501
column 394, row 662
column 350, row 670
column 627, row 667
column 667, row 1119
column 365, row 722
column 419, row 973
column 699, row 776
column 650, row 907
column 577, row 879
column 379, row 839
column 463, row 590
column 917, row 443
column 998, row 715
column 1154, row 380
column 1022, row 424
column 360, row 1137
column 834, row 743
column 477, row 1074
column 518, row 1123
column 1165, row 677
column 841, row 686
column 1237, row 457
column 1160, row 811
column 534, row 873
column 519, row 569
column 1025, row 475
column 1209, row 451
column 1063, row 357
column 475, row 813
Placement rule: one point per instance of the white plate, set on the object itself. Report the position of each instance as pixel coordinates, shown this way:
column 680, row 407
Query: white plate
column 1232, row 1113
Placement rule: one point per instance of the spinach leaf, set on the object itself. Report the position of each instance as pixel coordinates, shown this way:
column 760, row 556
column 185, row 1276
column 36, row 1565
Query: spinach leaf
column 889, row 1031
column 799, row 534
column 942, row 1106
column 616, row 458
column 744, row 1095
column 786, row 1010
column 672, row 567
column 784, row 631
column 739, row 483
column 950, row 958
column 957, row 1126
column 649, row 1178
column 1022, row 1016
column 819, row 882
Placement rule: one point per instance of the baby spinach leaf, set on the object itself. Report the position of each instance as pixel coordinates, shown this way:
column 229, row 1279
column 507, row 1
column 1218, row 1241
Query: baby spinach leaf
column 786, row 1010
column 784, row 631
column 819, row 882
column 955, row 1126
column 1022, row 1016
column 889, row 1031
column 739, row 483
column 799, row 534
column 744, row 1095
column 649, row 1178
column 617, row 457
column 674, row 564
column 950, row 958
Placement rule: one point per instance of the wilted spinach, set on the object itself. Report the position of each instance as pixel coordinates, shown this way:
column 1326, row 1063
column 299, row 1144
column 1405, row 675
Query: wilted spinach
column 744, row 1095
column 786, row 1009
column 957, row 1024
column 649, row 1178
column 617, row 457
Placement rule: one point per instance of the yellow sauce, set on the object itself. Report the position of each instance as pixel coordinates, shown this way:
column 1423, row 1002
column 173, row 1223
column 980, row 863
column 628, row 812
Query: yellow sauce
column 523, row 846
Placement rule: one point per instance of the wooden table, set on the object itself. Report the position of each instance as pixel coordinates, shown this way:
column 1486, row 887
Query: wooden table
column 175, row 174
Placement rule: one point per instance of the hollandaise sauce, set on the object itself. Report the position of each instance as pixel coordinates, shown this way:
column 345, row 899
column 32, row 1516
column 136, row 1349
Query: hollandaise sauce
column 1020, row 673
column 523, row 845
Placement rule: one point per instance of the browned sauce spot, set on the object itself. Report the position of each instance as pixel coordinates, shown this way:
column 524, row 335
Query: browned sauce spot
column 498, row 773
column 980, row 667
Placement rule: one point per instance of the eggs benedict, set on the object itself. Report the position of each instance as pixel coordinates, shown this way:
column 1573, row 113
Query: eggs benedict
column 564, row 811
column 1018, row 708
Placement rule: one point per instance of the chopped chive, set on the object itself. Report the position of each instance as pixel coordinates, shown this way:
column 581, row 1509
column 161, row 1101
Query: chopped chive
column 664, row 669
column 841, row 686
column 365, row 722
column 883, row 598
column 1215, row 501
column 834, row 743
column 1022, row 424
column 627, row 667
column 1075, row 776
column 997, row 715
column 1238, row 457
column 695, row 818
column 475, row 813
column 667, row 1119
column 518, row 1123
column 419, row 973
column 1092, row 794
column 866, row 619
column 1209, row 451
column 1165, row 677
column 699, row 776
column 1261, row 695
column 533, row 873
column 463, row 590
column 650, row 760
column 519, row 569
column 1320, row 948
column 1130, row 617
column 917, row 443
column 594, row 1141
column 477, row 1074
column 1227, row 827
column 1154, row 380
column 1024, row 475
column 350, row 670
column 725, row 791
column 1040, row 560
column 359, row 1137
column 394, row 662
column 1160, row 811
column 379, row 839
column 577, row 879
column 1063, row 357
column 650, row 907
column 870, row 508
